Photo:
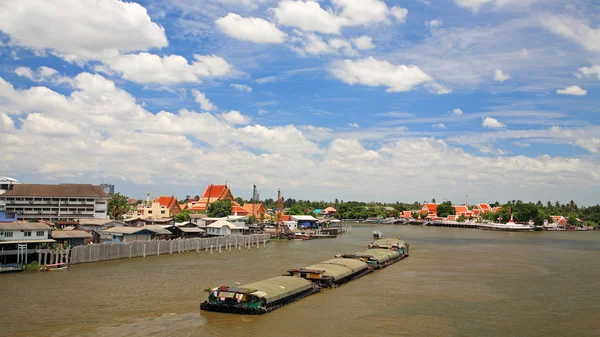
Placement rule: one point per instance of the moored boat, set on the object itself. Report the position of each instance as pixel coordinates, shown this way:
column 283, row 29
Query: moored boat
column 259, row 297
column 54, row 267
column 11, row 268
column 377, row 235
column 511, row 226
column 332, row 272
column 391, row 243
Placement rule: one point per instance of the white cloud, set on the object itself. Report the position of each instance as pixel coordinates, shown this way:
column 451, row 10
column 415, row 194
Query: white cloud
column 499, row 76
column 582, row 138
column 363, row 42
column 492, row 123
column 439, row 126
column 205, row 103
column 235, row 118
column 353, row 125
column 372, row 72
column 573, row 90
column 81, row 30
column 241, row 87
column 524, row 53
column 457, row 112
column 594, row 70
column 434, row 23
column 43, row 74
column 475, row 5
column 313, row 44
column 6, row 123
column 151, row 68
column 574, row 29
column 521, row 144
column 310, row 17
column 251, row 29
column 437, row 88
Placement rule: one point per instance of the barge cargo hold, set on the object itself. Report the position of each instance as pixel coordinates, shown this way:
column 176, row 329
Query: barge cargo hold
column 376, row 258
column 332, row 272
column 259, row 297
column 393, row 244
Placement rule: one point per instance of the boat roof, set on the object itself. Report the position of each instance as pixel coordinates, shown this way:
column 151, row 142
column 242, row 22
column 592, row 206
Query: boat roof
column 380, row 255
column 278, row 287
column 334, row 270
column 355, row 265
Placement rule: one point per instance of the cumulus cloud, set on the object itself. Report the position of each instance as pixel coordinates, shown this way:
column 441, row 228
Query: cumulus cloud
column 168, row 69
column 581, row 138
column 205, row 103
column 81, row 30
column 457, row 112
column 251, row 29
column 500, row 76
column 439, row 126
column 577, row 30
column 573, row 90
column 363, row 42
column 313, row 44
column 310, row 17
column 241, row 87
column 372, row 72
column 475, row 5
column 353, row 125
column 235, row 117
column 593, row 70
column 43, row 74
column 492, row 123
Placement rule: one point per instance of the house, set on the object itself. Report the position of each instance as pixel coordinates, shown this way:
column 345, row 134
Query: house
column 318, row 211
column 559, row 219
column 406, row 214
column 8, row 216
column 236, row 209
column 162, row 207
column 96, row 226
column 66, row 224
column 134, row 222
column 429, row 209
column 198, row 219
column 186, row 230
column 224, row 228
column 305, row 221
column 25, row 237
column 256, row 210
column 53, row 202
column 463, row 210
column 130, row 234
column 161, row 222
column 6, row 184
column 211, row 194
column 329, row 211
column 238, row 220
column 72, row 237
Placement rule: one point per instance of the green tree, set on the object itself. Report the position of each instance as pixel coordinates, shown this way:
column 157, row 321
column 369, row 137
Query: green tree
column 262, row 217
column 240, row 201
column 296, row 210
column 118, row 206
column 183, row 216
column 461, row 218
column 219, row 209
column 251, row 218
column 445, row 208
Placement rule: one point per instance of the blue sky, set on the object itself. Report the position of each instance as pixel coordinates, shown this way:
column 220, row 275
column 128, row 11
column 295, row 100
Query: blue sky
column 365, row 100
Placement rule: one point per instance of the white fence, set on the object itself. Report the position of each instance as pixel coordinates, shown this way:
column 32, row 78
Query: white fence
column 114, row 251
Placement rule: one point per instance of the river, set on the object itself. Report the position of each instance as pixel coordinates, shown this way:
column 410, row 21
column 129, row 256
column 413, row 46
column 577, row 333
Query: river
column 456, row 282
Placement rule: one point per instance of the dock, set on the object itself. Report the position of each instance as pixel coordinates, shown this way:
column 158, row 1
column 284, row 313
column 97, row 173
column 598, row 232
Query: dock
column 451, row 224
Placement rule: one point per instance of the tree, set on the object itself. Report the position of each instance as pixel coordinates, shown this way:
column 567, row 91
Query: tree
column 118, row 206
column 197, row 197
column 183, row 216
column 296, row 210
column 240, row 201
column 445, row 208
column 433, row 201
column 252, row 218
column 219, row 209
column 461, row 218
column 262, row 217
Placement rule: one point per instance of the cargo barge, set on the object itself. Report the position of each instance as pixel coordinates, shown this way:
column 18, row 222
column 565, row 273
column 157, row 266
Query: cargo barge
column 376, row 258
column 393, row 244
column 259, row 297
column 332, row 273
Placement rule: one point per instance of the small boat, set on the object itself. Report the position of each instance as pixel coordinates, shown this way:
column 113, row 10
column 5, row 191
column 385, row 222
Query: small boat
column 511, row 226
column 10, row 268
column 377, row 235
column 54, row 267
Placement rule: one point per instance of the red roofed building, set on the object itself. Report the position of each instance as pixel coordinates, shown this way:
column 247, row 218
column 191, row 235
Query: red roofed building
column 483, row 208
column 429, row 209
column 255, row 209
column 211, row 194
column 161, row 208
column 236, row 209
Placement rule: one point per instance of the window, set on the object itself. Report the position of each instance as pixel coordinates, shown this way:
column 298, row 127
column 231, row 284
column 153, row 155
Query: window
column 27, row 233
column 8, row 234
column 162, row 212
column 72, row 199
column 99, row 202
column 99, row 211
column 39, row 233
column 90, row 200
column 149, row 212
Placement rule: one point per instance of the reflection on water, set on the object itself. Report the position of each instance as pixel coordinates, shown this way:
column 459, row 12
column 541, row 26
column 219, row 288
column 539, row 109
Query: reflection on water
column 457, row 282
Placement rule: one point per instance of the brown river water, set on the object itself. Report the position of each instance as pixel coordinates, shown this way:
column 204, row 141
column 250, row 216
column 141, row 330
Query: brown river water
column 456, row 282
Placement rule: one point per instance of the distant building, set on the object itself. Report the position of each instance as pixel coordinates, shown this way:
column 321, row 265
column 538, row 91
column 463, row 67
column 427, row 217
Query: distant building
column 429, row 209
column 129, row 234
column 28, row 235
column 256, row 210
column 51, row 202
column 6, row 184
column 72, row 237
column 329, row 211
column 162, row 207
column 8, row 216
column 224, row 228
column 305, row 221
column 211, row 194
column 108, row 188
column 483, row 208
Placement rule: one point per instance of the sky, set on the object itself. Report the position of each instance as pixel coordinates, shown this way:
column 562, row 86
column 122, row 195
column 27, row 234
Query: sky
column 366, row 100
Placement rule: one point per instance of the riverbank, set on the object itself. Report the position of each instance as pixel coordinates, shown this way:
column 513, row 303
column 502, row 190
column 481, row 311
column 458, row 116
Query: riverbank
column 456, row 283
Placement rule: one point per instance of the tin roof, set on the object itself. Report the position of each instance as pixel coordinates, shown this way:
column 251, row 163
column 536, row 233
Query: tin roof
column 354, row 265
column 24, row 226
column 334, row 270
column 73, row 234
column 303, row 218
column 191, row 230
column 61, row 190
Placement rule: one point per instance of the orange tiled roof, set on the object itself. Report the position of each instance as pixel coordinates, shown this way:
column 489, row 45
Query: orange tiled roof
column 329, row 210
column 258, row 208
column 237, row 209
column 484, row 207
column 460, row 209
column 407, row 214
column 431, row 207
column 215, row 191
column 211, row 194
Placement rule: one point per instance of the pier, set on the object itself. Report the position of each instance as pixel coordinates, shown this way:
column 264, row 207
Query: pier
column 451, row 224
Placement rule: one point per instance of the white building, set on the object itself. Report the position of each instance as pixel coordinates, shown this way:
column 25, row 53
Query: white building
column 6, row 184
column 224, row 228
column 28, row 236
column 51, row 202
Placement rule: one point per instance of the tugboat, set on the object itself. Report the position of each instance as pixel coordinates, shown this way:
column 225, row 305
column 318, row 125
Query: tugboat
column 377, row 235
